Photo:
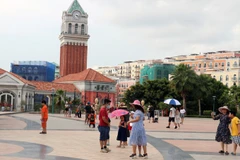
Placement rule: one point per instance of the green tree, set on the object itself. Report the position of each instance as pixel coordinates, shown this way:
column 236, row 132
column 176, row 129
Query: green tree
column 202, row 89
column 156, row 91
column 184, row 80
column 134, row 92
column 59, row 100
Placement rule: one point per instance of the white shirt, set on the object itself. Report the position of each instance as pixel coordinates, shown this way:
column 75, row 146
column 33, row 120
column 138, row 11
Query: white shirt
column 183, row 111
column 172, row 112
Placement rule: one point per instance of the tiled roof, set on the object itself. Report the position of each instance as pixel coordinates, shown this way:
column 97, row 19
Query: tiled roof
column 16, row 76
column 2, row 71
column 86, row 75
column 48, row 86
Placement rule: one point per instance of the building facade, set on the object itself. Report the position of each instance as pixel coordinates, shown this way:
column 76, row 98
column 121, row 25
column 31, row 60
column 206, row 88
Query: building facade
column 74, row 40
column 91, row 85
column 224, row 66
column 34, row 70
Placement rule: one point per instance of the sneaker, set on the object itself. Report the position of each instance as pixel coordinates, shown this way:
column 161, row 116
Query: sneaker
column 175, row 127
column 140, row 155
column 145, row 156
column 104, row 151
column 107, row 149
column 133, row 156
column 168, row 127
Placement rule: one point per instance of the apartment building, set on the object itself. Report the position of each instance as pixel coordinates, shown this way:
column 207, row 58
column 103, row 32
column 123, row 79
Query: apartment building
column 224, row 66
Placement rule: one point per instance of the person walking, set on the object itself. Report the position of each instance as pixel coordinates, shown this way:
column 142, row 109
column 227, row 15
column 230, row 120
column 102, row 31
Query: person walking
column 79, row 113
column 88, row 110
column 44, row 117
column 177, row 117
column 138, row 134
column 151, row 112
column 172, row 117
column 66, row 109
column 103, row 126
column 182, row 114
column 223, row 133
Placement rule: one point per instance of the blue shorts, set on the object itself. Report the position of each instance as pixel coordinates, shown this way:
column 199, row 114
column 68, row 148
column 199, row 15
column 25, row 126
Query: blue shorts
column 104, row 132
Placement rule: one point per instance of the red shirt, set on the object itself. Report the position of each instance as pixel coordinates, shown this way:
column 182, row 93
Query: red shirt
column 103, row 113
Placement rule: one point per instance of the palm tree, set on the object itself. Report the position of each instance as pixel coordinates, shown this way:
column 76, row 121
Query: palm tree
column 183, row 79
column 59, row 99
column 202, row 88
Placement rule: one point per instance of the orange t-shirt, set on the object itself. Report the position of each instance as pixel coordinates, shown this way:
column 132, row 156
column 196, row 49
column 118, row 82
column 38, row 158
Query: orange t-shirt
column 45, row 111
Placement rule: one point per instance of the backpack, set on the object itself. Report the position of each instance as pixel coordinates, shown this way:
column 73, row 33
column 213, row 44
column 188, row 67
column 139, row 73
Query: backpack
column 92, row 118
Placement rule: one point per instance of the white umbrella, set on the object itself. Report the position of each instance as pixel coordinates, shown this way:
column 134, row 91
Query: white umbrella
column 172, row 101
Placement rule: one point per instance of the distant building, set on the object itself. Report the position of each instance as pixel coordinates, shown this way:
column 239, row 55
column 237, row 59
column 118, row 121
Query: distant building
column 122, row 86
column 156, row 71
column 34, row 70
column 224, row 66
column 57, row 70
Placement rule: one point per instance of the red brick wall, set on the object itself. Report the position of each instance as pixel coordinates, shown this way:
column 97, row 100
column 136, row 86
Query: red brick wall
column 73, row 59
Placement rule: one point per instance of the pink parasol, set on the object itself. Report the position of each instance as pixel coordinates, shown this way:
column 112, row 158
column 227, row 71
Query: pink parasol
column 118, row 113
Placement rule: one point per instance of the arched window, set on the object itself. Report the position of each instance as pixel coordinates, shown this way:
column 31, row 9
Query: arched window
column 76, row 28
column 70, row 28
column 35, row 70
column 24, row 69
column 29, row 69
column 82, row 29
column 228, row 64
column 227, row 84
column 36, row 78
column 227, row 77
column 30, row 78
column 221, row 78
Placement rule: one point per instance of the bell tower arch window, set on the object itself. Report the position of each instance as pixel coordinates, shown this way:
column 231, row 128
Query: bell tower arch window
column 82, row 29
column 76, row 28
column 70, row 28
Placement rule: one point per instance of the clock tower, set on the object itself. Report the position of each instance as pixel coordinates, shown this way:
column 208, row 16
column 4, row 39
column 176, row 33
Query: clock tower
column 74, row 40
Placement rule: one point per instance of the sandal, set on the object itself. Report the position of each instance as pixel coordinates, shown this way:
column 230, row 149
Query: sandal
column 43, row 133
column 221, row 151
column 234, row 154
column 226, row 153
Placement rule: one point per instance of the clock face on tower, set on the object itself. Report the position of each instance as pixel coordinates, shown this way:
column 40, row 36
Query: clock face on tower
column 76, row 15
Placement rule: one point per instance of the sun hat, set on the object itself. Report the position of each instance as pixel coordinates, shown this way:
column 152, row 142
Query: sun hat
column 132, row 112
column 224, row 107
column 137, row 103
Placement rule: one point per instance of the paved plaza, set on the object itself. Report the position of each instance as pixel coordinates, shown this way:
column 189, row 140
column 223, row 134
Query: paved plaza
column 71, row 139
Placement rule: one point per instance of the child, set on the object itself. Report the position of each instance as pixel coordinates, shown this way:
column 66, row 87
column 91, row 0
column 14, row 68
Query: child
column 122, row 132
column 235, row 131
column 92, row 118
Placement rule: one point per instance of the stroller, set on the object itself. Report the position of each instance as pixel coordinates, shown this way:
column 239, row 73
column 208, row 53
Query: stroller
column 156, row 116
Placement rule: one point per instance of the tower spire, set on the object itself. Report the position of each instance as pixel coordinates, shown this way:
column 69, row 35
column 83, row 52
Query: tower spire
column 75, row 6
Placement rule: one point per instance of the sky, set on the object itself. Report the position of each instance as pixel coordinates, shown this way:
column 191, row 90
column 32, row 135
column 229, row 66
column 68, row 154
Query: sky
column 120, row 30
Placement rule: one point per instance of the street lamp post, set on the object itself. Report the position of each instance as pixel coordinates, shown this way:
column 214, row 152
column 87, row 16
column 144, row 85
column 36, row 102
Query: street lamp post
column 53, row 91
column 214, row 97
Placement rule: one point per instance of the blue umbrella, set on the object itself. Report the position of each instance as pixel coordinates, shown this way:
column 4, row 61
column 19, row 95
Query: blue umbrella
column 172, row 101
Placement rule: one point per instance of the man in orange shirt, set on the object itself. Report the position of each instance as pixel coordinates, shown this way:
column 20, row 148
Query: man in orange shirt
column 44, row 117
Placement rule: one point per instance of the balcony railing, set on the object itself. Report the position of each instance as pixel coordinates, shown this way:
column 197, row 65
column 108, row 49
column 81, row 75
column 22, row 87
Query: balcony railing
column 235, row 79
column 235, row 66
